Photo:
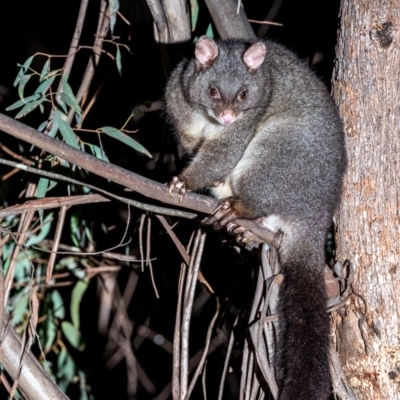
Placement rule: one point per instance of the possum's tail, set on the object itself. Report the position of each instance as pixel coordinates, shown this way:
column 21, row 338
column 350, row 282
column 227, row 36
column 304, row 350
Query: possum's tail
column 303, row 341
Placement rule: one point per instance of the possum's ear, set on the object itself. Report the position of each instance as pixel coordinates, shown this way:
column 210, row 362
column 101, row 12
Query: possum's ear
column 206, row 51
column 254, row 56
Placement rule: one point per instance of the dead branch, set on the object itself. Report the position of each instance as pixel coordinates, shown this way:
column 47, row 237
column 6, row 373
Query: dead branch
column 34, row 382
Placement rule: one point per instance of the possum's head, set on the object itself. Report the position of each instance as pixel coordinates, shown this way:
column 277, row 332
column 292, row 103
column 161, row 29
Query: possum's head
column 228, row 79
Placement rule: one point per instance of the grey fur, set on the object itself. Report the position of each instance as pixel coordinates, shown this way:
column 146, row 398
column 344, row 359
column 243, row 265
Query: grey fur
column 282, row 159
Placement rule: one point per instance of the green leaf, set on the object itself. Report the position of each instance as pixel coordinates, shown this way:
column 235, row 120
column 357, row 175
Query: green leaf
column 24, row 80
column 22, row 102
column 68, row 134
column 124, row 138
column 71, row 333
column 52, row 73
column 42, row 187
column 23, row 69
column 58, row 304
column 67, row 90
column 42, row 126
column 20, row 309
column 98, row 152
column 66, row 366
column 67, row 100
column 76, row 299
column 43, row 232
column 194, row 6
column 113, row 6
column 209, row 31
column 118, row 61
column 41, row 192
column 55, row 123
column 42, row 88
column 27, row 108
column 82, row 386
column 45, row 70
column 50, row 331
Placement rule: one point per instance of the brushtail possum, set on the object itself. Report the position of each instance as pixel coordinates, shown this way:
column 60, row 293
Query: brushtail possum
column 262, row 132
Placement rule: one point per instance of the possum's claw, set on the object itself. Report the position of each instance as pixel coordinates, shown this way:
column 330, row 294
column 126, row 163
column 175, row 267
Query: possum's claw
column 179, row 184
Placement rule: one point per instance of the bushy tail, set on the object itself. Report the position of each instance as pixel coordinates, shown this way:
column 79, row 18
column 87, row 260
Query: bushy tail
column 303, row 341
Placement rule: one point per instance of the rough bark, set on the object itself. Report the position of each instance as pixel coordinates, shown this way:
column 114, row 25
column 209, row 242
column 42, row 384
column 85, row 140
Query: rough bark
column 366, row 89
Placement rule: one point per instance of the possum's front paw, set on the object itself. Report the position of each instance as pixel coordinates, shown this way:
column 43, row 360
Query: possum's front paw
column 224, row 216
column 178, row 184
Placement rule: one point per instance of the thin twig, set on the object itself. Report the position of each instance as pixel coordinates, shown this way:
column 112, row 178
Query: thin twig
column 23, row 228
column 74, row 42
column 176, row 354
column 102, row 29
column 226, row 362
column 149, row 260
column 175, row 239
column 141, row 227
column 57, row 237
column 254, row 21
column 187, row 311
column 204, row 357
column 134, row 203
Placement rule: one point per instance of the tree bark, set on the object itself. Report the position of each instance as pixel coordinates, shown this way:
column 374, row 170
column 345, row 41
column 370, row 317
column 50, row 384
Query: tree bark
column 366, row 89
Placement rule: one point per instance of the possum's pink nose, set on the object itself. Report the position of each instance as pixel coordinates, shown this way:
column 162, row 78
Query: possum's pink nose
column 227, row 116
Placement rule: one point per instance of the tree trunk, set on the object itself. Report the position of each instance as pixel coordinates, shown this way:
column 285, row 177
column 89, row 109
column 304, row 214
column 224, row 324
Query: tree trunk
column 366, row 89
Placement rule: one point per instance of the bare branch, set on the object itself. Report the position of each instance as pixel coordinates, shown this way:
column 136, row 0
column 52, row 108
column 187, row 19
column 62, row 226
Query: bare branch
column 35, row 383
column 228, row 22
column 177, row 15
column 160, row 21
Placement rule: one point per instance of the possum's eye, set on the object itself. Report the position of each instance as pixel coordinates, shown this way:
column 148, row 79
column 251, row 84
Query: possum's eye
column 213, row 92
column 242, row 95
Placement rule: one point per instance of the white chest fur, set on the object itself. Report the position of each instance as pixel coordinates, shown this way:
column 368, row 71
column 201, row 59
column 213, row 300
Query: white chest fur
column 201, row 127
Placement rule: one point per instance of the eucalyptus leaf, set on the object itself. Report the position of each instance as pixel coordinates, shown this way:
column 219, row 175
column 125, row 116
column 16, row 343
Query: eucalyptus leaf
column 113, row 6
column 118, row 60
column 21, row 86
column 67, row 90
column 66, row 366
column 42, row 88
column 42, row 126
column 68, row 134
column 50, row 331
column 55, row 123
column 124, row 138
column 70, row 102
column 210, row 32
column 23, row 69
column 58, row 304
column 71, row 333
column 42, row 233
column 27, row 108
column 45, row 70
column 76, row 299
column 23, row 102
column 42, row 187
column 194, row 8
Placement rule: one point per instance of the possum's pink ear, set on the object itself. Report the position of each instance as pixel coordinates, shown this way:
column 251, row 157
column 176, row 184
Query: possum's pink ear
column 254, row 56
column 206, row 51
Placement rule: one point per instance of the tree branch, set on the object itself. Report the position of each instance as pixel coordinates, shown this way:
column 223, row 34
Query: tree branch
column 34, row 381
column 131, row 180
column 229, row 23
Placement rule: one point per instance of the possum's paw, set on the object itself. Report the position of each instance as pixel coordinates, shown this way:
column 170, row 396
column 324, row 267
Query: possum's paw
column 225, row 216
column 222, row 215
column 179, row 185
